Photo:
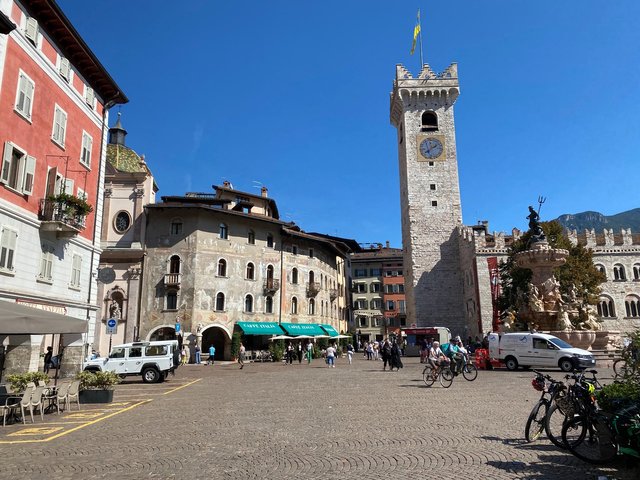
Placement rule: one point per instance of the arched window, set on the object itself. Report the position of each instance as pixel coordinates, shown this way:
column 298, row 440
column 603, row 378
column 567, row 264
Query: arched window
column 632, row 305
column 606, row 308
column 269, row 240
column 601, row 269
column 311, row 277
column 270, row 272
column 220, row 302
column 174, row 264
column 429, row 121
column 268, row 305
column 251, row 237
column 248, row 304
column 222, row 267
column 250, row 271
column 618, row 272
column 636, row 271
column 312, row 306
column 294, row 306
column 294, row 276
column 224, row 231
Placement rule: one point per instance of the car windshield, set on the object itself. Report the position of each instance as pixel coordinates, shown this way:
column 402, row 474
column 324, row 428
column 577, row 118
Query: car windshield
column 117, row 352
column 560, row 343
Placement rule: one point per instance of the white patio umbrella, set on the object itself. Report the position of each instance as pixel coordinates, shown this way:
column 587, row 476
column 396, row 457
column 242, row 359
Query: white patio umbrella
column 342, row 336
column 302, row 336
column 322, row 336
column 281, row 337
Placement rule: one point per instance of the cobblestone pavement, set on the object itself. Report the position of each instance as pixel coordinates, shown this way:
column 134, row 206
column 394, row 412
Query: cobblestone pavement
column 270, row 421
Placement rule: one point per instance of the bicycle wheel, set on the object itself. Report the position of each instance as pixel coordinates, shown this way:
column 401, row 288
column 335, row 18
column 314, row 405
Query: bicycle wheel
column 535, row 422
column 620, row 367
column 554, row 421
column 446, row 377
column 589, row 440
column 428, row 376
column 470, row 372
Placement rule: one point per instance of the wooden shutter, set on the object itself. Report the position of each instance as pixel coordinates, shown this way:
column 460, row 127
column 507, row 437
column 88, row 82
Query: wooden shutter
column 51, row 182
column 29, row 173
column 31, row 30
column 68, row 186
column 6, row 162
column 65, row 68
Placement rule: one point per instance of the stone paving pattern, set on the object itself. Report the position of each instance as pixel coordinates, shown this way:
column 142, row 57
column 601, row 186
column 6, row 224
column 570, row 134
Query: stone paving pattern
column 270, row 421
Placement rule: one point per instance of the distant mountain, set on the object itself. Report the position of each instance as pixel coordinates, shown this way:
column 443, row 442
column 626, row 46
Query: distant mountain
column 580, row 221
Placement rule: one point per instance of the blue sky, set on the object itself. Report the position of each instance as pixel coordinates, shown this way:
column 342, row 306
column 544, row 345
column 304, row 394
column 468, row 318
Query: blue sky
column 294, row 95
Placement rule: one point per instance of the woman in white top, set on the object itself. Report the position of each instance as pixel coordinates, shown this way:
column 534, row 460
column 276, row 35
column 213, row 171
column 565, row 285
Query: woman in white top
column 436, row 357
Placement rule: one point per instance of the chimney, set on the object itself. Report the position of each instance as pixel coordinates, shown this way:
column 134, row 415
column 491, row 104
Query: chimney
column 264, row 192
column 388, row 244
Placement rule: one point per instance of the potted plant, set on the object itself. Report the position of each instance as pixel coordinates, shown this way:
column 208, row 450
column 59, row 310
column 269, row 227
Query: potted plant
column 97, row 387
column 18, row 381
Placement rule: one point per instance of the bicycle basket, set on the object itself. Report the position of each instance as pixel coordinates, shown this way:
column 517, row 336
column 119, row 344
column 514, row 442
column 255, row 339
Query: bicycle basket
column 566, row 406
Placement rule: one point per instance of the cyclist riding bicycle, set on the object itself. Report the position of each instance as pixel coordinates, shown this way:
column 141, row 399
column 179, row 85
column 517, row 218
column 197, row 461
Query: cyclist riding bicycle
column 436, row 356
column 452, row 351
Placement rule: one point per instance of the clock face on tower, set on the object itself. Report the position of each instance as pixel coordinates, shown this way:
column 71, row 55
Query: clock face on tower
column 431, row 148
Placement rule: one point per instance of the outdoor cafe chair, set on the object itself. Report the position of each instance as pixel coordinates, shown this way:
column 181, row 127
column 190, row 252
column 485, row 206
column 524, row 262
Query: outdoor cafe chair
column 61, row 396
column 35, row 402
column 17, row 402
column 73, row 393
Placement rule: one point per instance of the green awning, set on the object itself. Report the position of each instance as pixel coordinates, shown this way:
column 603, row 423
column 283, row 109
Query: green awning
column 260, row 328
column 329, row 329
column 303, row 328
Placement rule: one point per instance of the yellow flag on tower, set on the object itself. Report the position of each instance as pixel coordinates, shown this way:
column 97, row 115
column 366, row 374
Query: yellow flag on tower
column 416, row 32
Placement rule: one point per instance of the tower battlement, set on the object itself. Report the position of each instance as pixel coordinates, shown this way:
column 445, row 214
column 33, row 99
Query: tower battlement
column 412, row 92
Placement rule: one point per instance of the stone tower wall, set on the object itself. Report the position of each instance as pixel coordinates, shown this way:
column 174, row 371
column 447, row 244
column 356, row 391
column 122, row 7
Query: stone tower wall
column 429, row 232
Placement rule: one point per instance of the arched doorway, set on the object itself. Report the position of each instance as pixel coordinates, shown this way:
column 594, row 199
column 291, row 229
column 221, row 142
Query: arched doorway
column 163, row 333
column 217, row 337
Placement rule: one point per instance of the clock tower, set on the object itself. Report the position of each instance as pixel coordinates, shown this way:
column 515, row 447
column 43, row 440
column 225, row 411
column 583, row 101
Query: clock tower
column 422, row 112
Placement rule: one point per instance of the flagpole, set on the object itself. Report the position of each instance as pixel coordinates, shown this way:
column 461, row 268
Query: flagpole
column 421, row 59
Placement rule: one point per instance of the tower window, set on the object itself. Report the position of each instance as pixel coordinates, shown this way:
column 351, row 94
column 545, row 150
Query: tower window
column 431, row 164
column 429, row 122
column 432, row 186
column 434, row 203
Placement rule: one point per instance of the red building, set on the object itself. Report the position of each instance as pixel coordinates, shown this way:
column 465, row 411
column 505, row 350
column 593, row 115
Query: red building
column 54, row 101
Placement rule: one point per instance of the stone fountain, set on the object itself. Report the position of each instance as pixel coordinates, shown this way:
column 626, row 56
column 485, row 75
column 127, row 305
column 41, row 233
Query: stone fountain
column 544, row 308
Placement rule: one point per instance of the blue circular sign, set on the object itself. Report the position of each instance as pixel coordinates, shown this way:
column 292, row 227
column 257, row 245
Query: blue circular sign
column 111, row 322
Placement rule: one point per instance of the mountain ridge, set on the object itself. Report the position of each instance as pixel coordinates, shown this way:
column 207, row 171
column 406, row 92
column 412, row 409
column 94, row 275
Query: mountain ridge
column 597, row 221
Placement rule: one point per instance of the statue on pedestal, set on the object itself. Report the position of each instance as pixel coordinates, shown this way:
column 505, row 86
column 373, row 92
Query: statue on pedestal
column 534, row 226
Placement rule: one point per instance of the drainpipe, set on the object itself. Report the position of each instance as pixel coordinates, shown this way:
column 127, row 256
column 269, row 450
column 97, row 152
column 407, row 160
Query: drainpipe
column 281, row 279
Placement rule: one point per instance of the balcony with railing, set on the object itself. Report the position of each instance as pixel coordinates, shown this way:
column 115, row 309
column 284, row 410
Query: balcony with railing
column 271, row 286
column 172, row 279
column 65, row 216
column 333, row 294
column 313, row 288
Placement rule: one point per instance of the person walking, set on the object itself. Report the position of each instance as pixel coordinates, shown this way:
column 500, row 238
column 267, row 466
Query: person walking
column 197, row 353
column 241, row 356
column 48, row 359
column 183, row 356
column 386, row 355
column 331, row 356
column 212, row 355
column 309, row 352
column 290, row 354
column 395, row 360
column 299, row 349
column 350, row 353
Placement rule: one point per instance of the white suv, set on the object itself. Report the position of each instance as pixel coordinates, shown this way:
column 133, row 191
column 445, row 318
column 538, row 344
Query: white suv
column 153, row 360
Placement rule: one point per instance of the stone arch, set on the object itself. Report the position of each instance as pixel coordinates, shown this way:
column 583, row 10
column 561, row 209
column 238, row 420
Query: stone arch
column 220, row 337
column 115, row 303
column 162, row 332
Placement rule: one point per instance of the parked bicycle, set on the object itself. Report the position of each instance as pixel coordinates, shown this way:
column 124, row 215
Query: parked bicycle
column 629, row 364
column 442, row 372
column 264, row 356
column 598, row 437
column 569, row 401
column 549, row 389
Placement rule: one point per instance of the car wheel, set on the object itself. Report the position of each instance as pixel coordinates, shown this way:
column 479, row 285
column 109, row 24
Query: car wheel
column 150, row 375
column 566, row 365
column 511, row 363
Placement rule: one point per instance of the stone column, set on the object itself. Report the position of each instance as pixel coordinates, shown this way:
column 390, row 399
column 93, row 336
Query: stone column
column 133, row 294
column 23, row 354
column 73, row 354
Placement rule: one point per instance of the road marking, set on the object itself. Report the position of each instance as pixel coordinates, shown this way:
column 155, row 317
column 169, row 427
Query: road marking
column 181, row 386
column 83, row 425
column 36, row 431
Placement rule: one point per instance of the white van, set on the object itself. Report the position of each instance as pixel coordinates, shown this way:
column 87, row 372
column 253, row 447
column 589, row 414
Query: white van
column 537, row 350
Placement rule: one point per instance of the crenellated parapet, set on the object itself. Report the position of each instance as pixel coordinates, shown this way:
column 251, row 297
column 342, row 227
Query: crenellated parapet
column 413, row 92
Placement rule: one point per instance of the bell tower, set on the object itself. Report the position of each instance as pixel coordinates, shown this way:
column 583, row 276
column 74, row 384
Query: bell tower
column 422, row 112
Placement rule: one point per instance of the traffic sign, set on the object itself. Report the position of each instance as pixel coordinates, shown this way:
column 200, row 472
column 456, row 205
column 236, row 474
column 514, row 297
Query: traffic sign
column 112, row 326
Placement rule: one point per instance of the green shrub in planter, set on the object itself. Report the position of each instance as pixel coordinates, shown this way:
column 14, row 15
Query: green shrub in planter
column 236, row 339
column 277, row 350
column 618, row 395
column 97, row 380
column 18, row 381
